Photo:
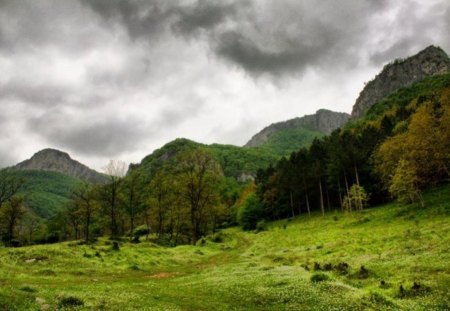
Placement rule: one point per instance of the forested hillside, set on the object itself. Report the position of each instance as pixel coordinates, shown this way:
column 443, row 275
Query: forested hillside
column 398, row 149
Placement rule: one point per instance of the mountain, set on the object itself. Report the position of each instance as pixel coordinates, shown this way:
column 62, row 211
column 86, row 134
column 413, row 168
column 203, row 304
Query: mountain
column 399, row 74
column 238, row 162
column 57, row 161
column 285, row 137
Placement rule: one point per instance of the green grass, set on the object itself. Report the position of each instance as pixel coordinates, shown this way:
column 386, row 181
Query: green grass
column 270, row 270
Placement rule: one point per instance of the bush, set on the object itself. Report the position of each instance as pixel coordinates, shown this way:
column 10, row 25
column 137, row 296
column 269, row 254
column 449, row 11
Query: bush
column 261, row 226
column 70, row 301
column 319, row 277
column 52, row 237
column 250, row 213
column 141, row 231
column 115, row 246
column 217, row 237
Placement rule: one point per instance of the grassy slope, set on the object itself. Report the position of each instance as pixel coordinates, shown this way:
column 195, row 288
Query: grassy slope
column 46, row 192
column 248, row 271
column 288, row 140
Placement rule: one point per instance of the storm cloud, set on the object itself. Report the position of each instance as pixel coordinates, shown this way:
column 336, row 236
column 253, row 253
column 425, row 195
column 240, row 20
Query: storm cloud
column 112, row 79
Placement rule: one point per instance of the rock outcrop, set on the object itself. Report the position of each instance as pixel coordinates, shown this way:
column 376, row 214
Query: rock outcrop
column 401, row 73
column 58, row 161
column 324, row 121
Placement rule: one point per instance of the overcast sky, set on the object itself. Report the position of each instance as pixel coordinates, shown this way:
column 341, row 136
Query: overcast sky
column 110, row 79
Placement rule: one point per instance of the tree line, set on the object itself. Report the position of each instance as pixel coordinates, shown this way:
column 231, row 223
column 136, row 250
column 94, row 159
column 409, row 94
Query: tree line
column 394, row 156
column 181, row 201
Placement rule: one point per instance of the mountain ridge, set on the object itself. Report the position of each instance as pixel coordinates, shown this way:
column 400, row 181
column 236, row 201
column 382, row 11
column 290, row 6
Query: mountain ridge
column 54, row 160
column 323, row 121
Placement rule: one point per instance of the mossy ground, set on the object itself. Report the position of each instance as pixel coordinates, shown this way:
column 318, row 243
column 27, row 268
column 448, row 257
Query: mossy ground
column 271, row 270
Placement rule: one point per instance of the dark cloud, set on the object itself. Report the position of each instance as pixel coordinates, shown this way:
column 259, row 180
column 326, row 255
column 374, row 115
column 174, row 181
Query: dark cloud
column 104, row 78
column 204, row 15
column 28, row 26
column 146, row 19
column 40, row 94
column 96, row 137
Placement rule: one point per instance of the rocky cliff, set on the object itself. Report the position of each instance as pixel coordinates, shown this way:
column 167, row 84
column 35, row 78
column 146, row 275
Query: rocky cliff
column 58, row 161
column 401, row 73
column 323, row 121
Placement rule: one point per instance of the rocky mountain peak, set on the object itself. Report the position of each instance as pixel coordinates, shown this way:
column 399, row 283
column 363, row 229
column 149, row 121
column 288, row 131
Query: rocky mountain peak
column 401, row 73
column 58, row 161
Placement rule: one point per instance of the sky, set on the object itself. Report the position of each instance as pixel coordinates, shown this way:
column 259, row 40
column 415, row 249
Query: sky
column 110, row 79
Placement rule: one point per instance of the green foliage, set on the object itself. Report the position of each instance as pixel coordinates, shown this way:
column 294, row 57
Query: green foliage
column 356, row 199
column 404, row 183
column 250, row 213
column 45, row 193
column 233, row 160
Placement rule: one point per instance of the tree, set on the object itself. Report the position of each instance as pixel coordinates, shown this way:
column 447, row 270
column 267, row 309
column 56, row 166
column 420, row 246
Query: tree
column 10, row 185
column 250, row 212
column 199, row 177
column 12, row 212
column 110, row 195
column 405, row 184
column 85, row 206
column 160, row 189
column 133, row 190
column 356, row 199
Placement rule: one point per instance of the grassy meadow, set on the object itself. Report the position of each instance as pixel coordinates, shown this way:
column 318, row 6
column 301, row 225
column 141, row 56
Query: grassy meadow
column 393, row 257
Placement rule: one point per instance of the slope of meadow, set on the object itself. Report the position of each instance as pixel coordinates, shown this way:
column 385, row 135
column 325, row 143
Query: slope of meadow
column 277, row 269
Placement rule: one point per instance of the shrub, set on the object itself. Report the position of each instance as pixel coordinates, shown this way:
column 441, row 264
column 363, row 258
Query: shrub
column 141, row 231
column 217, row 237
column 250, row 212
column 70, row 301
column 363, row 273
column 319, row 277
column 261, row 226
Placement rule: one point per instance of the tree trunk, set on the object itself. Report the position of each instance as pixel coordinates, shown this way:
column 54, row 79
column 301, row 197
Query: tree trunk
column 292, row 203
column 322, row 207
column 307, row 198
column 348, row 193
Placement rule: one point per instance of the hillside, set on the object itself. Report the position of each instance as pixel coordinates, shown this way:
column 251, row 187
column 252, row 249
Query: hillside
column 44, row 192
column 399, row 74
column 237, row 162
column 284, row 137
column 57, row 161
column 394, row 257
